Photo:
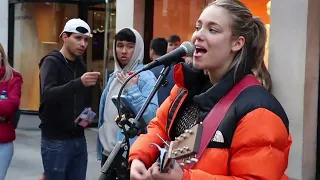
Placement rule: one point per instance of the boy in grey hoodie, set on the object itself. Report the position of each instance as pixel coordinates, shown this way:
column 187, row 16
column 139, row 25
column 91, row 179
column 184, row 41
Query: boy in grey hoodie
column 128, row 50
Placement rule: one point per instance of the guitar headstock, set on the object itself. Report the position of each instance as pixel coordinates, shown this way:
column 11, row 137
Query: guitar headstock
column 187, row 144
column 184, row 147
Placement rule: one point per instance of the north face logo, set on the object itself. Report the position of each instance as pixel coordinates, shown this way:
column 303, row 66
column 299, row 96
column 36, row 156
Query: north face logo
column 218, row 137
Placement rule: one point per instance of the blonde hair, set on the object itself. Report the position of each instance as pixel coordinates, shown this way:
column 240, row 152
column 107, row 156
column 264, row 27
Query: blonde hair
column 254, row 32
column 4, row 62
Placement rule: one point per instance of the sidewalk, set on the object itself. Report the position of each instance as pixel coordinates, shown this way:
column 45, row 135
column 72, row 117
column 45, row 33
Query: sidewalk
column 26, row 163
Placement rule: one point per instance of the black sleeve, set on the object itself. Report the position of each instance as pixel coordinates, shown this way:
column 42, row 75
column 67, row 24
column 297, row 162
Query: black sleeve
column 49, row 79
column 88, row 95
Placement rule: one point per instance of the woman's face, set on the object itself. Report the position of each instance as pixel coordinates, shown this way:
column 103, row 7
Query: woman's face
column 215, row 45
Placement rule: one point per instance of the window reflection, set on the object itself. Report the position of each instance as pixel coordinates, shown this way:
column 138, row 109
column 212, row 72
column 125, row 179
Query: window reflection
column 261, row 8
column 179, row 17
column 33, row 39
column 111, row 31
column 101, row 19
column 176, row 17
column 98, row 15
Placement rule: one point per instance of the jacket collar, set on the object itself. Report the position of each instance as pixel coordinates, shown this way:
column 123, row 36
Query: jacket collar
column 58, row 55
column 200, row 88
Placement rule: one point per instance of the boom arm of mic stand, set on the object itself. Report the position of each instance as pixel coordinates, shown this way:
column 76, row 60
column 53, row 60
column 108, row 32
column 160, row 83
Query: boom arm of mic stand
column 161, row 79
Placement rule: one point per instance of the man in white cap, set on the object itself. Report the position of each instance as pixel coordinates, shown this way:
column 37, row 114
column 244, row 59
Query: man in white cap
column 65, row 93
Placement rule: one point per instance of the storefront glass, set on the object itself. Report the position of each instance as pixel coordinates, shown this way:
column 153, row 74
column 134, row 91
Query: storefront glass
column 179, row 17
column 36, row 30
column 36, row 33
column 100, row 55
column 110, row 34
column 176, row 17
column 261, row 8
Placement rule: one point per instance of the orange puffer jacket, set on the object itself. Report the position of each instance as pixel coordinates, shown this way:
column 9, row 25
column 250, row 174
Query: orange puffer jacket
column 255, row 142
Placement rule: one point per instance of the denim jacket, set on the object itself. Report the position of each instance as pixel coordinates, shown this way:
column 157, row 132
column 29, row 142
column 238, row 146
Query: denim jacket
column 137, row 95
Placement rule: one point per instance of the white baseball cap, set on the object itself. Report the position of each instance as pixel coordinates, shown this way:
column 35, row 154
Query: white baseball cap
column 77, row 25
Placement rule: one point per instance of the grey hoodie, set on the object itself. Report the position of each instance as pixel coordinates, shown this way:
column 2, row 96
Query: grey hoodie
column 109, row 129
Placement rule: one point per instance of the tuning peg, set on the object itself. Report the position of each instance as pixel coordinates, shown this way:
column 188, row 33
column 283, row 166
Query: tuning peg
column 183, row 136
column 178, row 138
column 180, row 149
column 182, row 164
column 194, row 160
column 188, row 161
column 188, row 131
column 186, row 148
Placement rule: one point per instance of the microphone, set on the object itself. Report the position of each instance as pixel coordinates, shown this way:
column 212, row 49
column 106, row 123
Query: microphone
column 185, row 49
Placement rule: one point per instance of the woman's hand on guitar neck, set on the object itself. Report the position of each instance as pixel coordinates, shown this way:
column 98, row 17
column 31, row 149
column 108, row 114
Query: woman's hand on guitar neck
column 138, row 171
column 174, row 174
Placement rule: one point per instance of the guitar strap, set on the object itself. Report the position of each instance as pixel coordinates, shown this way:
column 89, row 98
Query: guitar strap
column 216, row 115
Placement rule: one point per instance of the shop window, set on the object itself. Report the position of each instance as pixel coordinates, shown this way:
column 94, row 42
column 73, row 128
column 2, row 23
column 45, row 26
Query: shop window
column 101, row 19
column 179, row 17
column 97, row 20
column 36, row 33
column 261, row 8
column 176, row 17
column 111, row 32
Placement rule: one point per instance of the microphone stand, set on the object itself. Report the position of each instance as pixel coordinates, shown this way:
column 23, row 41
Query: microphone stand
column 116, row 162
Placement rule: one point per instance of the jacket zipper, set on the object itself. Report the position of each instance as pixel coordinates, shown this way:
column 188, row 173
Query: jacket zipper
column 74, row 99
column 74, row 96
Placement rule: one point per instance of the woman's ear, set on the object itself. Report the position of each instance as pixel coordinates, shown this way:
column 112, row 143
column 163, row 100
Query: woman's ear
column 238, row 43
